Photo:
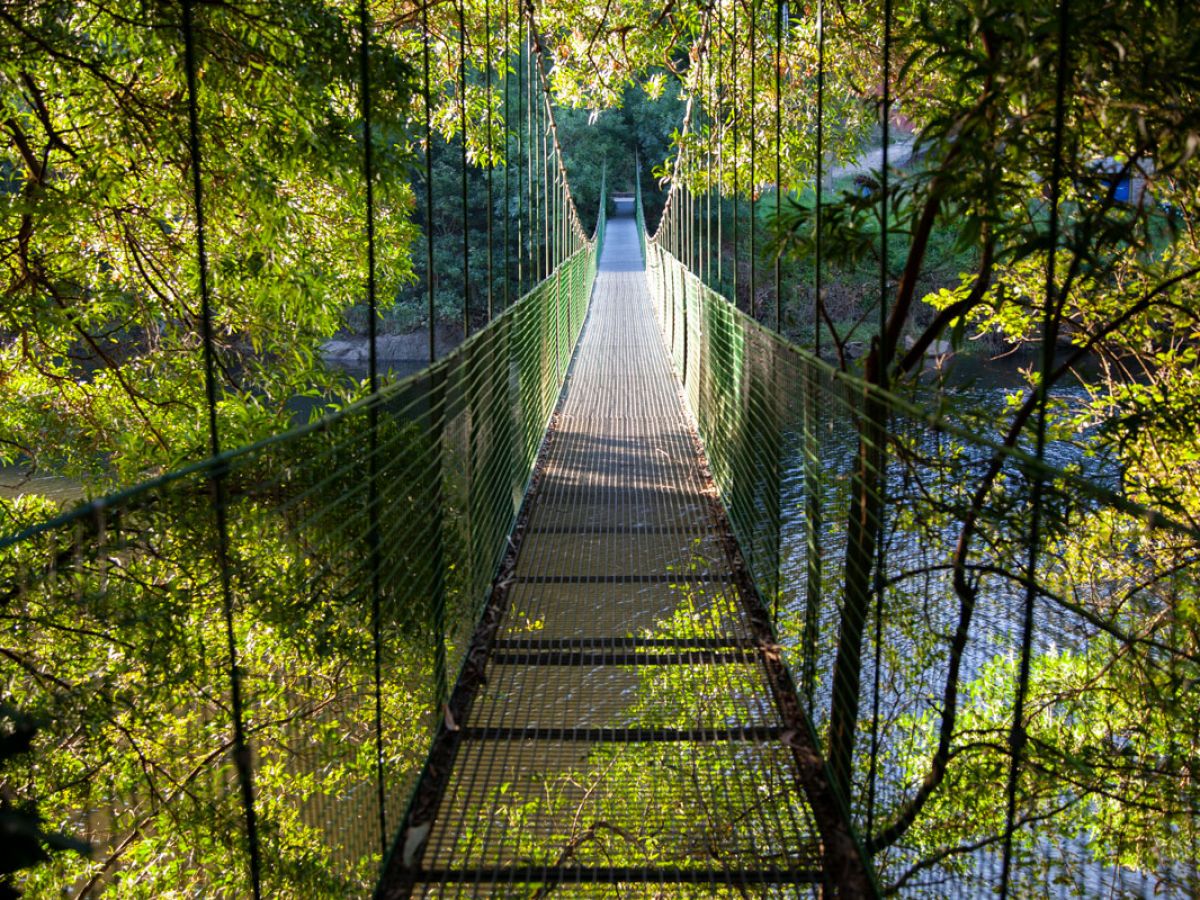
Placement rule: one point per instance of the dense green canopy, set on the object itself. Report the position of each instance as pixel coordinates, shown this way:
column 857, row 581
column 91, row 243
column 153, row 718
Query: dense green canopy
column 1012, row 129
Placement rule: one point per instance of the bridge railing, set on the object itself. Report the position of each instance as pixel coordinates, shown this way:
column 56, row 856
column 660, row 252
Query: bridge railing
column 329, row 647
column 909, row 630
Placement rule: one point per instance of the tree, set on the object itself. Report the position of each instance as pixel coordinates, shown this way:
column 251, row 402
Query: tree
column 979, row 82
column 100, row 351
column 25, row 843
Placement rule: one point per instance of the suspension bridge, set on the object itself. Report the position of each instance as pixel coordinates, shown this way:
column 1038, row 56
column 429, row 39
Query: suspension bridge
column 626, row 595
column 648, row 679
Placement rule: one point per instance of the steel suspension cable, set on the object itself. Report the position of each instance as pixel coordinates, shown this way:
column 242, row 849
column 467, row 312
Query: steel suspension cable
column 668, row 232
column 556, row 218
column 507, row 158
column 701, row 221
column 883, row 351
column 681, row 226
column 523, row 209
column 491, row 161
column 462, row 117
column 708, row 169
column 241, row 747
column 373, row 540
column 547, row 200
column 554, row 231
column 690, row 212
column 818, row 239
column 538, row 173
column 735, row 121
column 778, row 277
column 438, row 591
column 560, row 220
column 1018, row 736
column 535, row 177
column 427, row 98
column 885, row 197
column 570, row 210
column 812, row 481
column 720, row 156
column 753, row 186
column 778, row 154
column 530, row 159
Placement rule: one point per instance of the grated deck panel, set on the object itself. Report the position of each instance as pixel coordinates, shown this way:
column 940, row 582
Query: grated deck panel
column 624, row 740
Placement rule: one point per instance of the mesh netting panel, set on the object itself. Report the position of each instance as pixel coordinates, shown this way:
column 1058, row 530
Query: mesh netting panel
column 115, row 638
column 935, row 583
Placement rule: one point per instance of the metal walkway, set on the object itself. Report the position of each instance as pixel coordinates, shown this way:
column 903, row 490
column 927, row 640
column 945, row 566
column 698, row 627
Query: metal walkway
column 625, row 729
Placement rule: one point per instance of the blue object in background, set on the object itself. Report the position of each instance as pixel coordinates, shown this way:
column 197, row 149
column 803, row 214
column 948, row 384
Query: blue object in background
column 1121, row 192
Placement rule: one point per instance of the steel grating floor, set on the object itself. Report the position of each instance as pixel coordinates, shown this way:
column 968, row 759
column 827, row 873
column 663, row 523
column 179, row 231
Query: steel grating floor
column 624, row 738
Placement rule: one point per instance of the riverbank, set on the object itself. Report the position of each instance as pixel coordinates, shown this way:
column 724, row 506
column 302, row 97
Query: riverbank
column 402, row 353
column 16, row 481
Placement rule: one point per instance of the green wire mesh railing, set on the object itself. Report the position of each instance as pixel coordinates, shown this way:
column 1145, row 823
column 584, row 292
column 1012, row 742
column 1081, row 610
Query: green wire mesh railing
column 903, row 620
column 114, row 637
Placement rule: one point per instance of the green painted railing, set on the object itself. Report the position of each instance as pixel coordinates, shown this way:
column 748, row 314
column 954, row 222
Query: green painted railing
column 904, row 630
column 114, row 638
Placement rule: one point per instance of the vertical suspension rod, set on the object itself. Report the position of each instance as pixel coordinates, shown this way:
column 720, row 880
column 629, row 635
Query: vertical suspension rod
column 507, row 158
column 1018, row 736
column 812, row 484
column 778, row 154
column 753, row 186
column 491, row 156
column 720, row 75
column 734, row 120
column 547, row 198
column 818, row 238
column 373, row 537
column 241, row 748
column 522, row 159
column 462, row 120
column 535, row 272
column 884, row 352
column 427, row 96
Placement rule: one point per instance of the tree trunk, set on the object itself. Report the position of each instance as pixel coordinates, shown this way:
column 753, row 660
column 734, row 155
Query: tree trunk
column 862, row 533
